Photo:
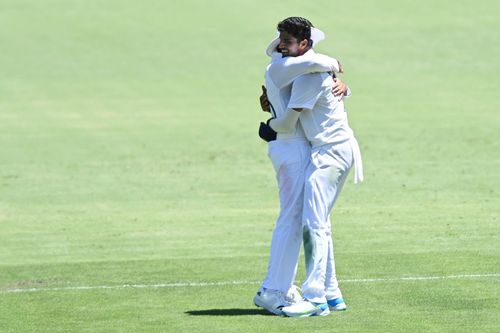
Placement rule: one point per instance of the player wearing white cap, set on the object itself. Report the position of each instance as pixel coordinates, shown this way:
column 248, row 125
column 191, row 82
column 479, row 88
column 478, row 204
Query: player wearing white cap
column 334, row 151
column 289, row 152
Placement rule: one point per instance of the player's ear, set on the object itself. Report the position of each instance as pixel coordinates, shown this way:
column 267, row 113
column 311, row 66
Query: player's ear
column 304, row 43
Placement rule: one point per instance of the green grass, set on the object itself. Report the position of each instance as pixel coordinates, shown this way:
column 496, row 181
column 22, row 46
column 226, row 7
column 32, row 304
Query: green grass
column 129, row 155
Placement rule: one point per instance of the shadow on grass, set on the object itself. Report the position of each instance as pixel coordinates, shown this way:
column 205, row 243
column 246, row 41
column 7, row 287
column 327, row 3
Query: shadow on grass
column 229, row 312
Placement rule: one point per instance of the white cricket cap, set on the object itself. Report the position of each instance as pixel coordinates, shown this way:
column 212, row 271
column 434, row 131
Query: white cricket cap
column 316, row 36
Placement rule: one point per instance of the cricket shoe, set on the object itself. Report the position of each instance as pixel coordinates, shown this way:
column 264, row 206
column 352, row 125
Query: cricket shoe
column 294, row 295
column 273, row 300
column 337, row 304
column 306, row 309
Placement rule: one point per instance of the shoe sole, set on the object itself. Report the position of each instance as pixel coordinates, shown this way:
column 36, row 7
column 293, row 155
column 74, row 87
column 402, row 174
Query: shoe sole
column 318, row 313
column 322, row 314
column 333, row 308
column 273, row 311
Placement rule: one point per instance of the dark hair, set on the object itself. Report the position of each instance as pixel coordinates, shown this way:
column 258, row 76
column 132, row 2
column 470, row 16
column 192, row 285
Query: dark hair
column 298, row 27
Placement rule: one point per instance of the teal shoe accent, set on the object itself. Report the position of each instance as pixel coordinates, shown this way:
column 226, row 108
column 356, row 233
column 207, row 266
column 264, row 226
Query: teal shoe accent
column 337, row 304
column 335, row 301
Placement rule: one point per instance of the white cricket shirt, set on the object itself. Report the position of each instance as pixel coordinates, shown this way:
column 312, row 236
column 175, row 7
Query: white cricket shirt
column 324, row 118
column 281, row 72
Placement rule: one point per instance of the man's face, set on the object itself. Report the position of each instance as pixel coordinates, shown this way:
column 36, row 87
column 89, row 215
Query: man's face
column 289, row 46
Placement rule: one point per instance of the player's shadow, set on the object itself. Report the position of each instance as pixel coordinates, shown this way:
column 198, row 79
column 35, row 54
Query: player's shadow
column 229, row 312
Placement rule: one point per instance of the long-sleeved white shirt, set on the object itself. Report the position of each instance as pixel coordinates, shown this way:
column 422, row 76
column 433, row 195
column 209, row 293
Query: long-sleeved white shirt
column 280, row 74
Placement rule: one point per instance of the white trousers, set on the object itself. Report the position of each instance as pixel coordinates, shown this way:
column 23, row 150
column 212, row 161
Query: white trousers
column 325, row 177
column 290, row 158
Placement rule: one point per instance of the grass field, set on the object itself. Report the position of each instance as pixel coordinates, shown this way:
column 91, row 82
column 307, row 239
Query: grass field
column 135, row 195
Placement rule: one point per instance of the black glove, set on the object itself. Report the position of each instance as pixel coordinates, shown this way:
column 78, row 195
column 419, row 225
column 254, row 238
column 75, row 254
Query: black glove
column 266, row 133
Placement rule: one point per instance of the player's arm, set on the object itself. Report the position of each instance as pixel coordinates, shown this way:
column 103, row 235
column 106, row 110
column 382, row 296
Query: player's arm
column 285, row 70
column 306, row 90
column 286, row 122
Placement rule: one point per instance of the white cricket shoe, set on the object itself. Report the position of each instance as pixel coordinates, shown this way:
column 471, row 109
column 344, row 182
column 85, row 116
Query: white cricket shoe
column 273, row 300
column 337, row 304
column 294, row 295
column 306, row 309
